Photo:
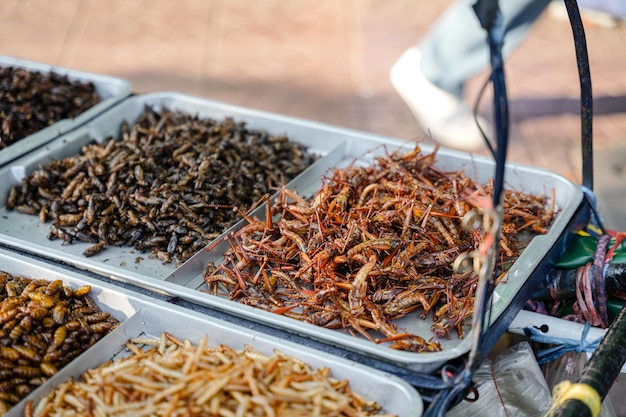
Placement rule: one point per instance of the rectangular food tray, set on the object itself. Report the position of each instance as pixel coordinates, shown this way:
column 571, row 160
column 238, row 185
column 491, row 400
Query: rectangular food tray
column 140, row 314
column 361, row 152
column 111, row 91
column 339, row 148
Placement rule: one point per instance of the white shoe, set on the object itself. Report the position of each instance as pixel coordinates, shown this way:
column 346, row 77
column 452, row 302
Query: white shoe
column 438, row 112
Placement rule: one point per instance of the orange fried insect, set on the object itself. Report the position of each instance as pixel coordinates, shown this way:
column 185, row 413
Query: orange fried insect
column 443, row 230
column 27, row 353
column 321, row 196
column 47, row 322
column 28, row 409
column 382, row 295
column 358, row 324
column 48, row 369
column 53, row 287
column 9, row 353
column 357, row 293
column 382, row 323
column 16, row 332
column 296, row 238
column 256, row 226
column 323, row 318
column 38, row 313
column 82, row 291
column 505, row 246
column 7, row 316
column 97, row 317
column 35, row 341
column 41, row 299
column 458, row 204
column 52, row 355
column 72, row 325
column 340, row 202
column 380, row 243
column 64, row 220
column 440, row 258
column 415, row 343
column 448, row 317
column 68, row 292
column 100, row 327
column 371, row 188
column 95, row 248
column 401, row 210
column 27, row 371
column 59, row 312
column 59, row 336
column 284, row 278
column 409, row 300
column 213, row 279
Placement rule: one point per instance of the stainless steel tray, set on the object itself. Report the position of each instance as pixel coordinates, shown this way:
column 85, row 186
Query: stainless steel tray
column 340, row 147
column 143, row 314
column 111, row 90
column 522, row 178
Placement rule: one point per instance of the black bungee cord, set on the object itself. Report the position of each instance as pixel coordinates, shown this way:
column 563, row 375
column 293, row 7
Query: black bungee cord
column 460, row 383
column 610, row 356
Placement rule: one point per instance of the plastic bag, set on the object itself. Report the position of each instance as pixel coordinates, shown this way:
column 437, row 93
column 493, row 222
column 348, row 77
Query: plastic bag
column 511, row 385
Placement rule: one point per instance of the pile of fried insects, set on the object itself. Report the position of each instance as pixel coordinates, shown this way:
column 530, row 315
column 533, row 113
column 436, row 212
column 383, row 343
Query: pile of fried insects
column 372, row 245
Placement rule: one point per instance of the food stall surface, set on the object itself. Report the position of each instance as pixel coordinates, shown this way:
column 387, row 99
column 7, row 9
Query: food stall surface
column 329, row 61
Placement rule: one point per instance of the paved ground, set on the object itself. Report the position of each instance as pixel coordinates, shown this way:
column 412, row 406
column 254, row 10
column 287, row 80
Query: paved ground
column 328, row 60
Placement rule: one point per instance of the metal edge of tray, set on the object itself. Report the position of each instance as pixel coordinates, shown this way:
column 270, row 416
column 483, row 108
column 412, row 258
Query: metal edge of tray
column 111, row 90
column 141, row 313
column 569, row 198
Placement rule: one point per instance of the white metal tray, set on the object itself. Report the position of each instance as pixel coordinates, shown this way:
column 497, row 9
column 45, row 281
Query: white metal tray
column 527, row 179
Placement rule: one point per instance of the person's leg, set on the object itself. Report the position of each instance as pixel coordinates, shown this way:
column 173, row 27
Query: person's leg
column 456, row 48
column 430, row 78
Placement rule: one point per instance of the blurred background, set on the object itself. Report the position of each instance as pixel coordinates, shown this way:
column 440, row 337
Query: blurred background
column 329, row 61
